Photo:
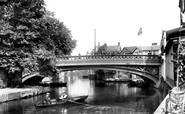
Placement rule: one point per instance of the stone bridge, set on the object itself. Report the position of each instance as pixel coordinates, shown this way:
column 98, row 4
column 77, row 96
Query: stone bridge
column 29, row 78
column 148, row 66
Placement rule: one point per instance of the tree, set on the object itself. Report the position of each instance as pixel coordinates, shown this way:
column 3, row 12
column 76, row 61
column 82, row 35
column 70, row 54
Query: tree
column 30, row 36
column 59, row 36
column 58, row 40
column 19, row 30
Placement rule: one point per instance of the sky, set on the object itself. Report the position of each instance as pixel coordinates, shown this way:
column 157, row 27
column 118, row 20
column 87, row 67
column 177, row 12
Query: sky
column 116, row 21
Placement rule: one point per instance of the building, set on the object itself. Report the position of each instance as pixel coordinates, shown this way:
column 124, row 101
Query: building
column 106, row 49
column 154, row 49
column 169, row 44
column 144, row 50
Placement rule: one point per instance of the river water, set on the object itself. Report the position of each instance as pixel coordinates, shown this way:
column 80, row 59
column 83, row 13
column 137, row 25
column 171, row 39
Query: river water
column 104, row 98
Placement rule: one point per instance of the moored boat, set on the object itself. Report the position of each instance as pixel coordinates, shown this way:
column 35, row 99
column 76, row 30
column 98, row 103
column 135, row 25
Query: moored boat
column 57, row 102
column 116, row 80
column 136, row 83
column 85, row 76
column 53, row 84
column 79, row 98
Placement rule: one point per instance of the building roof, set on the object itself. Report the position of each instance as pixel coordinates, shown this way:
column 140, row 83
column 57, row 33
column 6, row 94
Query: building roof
column 149, row 48
column 175, row 33
column 170, row 36
column 129, row 50
column 111, row 49
column 132, row 49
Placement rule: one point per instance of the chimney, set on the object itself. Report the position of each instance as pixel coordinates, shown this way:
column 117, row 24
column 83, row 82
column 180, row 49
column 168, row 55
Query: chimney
column 118, row 43
column 98, row 45
column 154, row 44
column 105, row 44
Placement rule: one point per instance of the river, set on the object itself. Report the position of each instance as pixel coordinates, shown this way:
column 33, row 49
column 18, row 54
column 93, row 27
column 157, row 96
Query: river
column 104, row 98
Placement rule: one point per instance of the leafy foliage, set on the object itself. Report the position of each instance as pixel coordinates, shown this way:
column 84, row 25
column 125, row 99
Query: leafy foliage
column 181, row 64
column 30, row 36
column 60, row 39
column 19, row 33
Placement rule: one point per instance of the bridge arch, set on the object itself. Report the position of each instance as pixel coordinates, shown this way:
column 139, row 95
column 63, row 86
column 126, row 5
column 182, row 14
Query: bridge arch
column 30, row 78
column 154, row 78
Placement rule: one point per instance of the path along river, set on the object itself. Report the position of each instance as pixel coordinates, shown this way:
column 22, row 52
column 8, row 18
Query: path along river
column 104, row 98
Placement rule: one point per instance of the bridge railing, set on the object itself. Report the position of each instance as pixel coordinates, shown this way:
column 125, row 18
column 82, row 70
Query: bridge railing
column 96, row 57
column 29, row 74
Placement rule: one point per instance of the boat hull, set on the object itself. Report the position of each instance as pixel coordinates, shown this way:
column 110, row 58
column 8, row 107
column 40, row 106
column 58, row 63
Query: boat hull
column 61, row 103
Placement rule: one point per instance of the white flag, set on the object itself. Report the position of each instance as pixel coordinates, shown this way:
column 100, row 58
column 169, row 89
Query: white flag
column 140, row 31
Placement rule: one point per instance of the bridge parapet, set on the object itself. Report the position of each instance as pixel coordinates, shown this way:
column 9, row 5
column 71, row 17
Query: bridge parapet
column 108, row 60
column 123, row 57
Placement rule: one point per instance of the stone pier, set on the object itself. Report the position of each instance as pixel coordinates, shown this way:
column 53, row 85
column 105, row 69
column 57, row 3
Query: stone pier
column 9, row 94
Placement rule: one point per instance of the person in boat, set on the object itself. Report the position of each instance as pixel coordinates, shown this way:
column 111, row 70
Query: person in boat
column 47, row 98
column 64, row 96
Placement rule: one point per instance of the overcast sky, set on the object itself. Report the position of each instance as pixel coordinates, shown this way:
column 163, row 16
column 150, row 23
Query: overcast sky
column 116, row 20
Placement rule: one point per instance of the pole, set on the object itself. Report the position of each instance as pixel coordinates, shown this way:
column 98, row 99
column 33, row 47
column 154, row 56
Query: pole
column 164, row 56
column 94, row 40
column 141, row 35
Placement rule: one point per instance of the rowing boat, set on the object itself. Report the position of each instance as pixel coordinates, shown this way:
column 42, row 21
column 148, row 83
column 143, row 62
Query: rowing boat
column 57, row 102
column 79, row 98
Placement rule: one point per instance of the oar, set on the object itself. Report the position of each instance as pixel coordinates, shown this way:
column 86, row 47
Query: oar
column 70, row 100
column 38, row 103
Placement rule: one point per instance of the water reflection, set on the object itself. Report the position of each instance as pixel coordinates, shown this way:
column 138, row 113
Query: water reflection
column 24, row 106
column 78, row 87
column 104, row 98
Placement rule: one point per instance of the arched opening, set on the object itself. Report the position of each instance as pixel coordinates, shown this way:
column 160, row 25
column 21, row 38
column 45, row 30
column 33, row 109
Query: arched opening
column 151, row 79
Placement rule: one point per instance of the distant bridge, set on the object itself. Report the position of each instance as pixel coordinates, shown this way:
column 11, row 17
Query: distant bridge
column 148, row 66
column 30, row 78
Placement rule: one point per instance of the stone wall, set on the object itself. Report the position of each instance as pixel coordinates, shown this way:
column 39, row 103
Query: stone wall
column 14, row 94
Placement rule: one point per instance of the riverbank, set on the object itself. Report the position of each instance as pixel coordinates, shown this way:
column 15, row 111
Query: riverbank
column 161, row 108
column 9, row 94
